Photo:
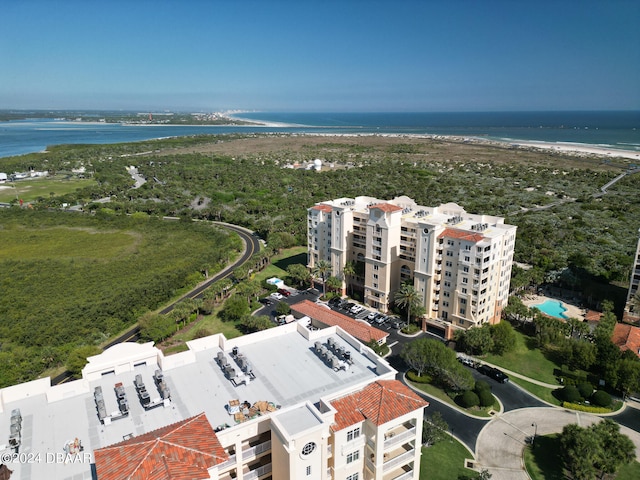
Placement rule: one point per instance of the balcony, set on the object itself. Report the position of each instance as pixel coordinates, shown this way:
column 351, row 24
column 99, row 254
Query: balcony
column 400, row 434
column 398, row 457
column 256, row 450
column 404, row 473
column 255, row 473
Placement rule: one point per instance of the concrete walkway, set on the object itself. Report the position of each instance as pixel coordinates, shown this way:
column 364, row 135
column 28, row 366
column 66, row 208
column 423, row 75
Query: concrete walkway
column 500, row 445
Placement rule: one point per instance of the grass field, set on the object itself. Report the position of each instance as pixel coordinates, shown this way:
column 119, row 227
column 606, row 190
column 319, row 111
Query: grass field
column 66, row 243
column 444, row 461
column 526, row 359
column 29, row 190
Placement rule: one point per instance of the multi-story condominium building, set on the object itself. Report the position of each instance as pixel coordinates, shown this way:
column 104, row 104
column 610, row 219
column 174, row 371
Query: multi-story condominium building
column 460, row 263
column 292, row 402
column 632, row 310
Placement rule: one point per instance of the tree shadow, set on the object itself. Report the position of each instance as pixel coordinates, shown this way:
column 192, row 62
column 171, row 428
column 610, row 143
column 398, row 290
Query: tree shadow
column 546, row 455
column 285, row 262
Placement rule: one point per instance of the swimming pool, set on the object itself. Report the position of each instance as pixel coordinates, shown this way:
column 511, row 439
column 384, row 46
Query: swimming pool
column 552, row 308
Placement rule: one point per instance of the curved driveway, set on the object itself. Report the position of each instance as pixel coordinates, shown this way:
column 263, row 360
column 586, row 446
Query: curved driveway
column 500, row 444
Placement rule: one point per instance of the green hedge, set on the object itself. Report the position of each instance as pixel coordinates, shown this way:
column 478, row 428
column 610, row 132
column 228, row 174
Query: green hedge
column 413, row 376
column 585, row 408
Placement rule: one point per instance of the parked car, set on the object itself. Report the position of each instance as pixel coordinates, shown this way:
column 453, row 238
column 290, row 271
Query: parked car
column 356, row 309
column 284, row 292
column 397, row 324
column 381, row 319
column 335, row 301
column 276, row 295
column 371, row 316
column 348, row 306
column 497, row 375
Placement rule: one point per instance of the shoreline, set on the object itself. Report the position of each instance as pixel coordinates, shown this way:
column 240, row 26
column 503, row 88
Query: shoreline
column 573, row 149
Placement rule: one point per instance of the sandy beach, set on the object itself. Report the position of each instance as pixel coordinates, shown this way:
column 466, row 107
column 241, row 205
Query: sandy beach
column 580, row 149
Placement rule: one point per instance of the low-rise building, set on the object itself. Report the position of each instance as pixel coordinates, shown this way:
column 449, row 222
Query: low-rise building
column 285, row 403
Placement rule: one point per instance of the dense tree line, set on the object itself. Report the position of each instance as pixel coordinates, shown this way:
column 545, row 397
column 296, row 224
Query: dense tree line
column 53, row 302
column 592, row 234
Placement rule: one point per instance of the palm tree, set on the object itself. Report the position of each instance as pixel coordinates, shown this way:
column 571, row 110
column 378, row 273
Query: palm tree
column 334, row 283
column 322, row 268
column 349, row 270
column 407, row 297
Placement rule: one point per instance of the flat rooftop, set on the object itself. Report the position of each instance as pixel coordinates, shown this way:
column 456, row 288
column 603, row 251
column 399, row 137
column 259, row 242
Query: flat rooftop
column 287, row 372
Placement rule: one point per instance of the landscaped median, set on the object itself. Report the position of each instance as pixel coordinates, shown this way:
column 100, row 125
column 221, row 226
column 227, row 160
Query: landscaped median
column 440, row 394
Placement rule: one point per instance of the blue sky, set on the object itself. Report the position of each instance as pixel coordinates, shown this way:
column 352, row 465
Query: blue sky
column 305, row 55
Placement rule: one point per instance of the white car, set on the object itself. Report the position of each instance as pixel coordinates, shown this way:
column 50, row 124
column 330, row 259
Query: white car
column 371, row 316
column 356, row 309
column 277, row 296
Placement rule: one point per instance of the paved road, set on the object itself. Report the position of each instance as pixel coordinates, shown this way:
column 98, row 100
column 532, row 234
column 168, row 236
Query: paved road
column 500, row 444
column 251, row 246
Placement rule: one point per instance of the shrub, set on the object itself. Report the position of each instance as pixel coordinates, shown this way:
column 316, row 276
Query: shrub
column 585, row 389
column 469, row 399
column 601, row 398
column 413, row 376
column 410, row 329
column 585, row 408
column 486, row 398
column 570, row 394
column 481, row 385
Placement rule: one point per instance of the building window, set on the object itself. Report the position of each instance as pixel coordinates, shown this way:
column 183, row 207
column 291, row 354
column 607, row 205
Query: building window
column 375, row 267
column 353, row 456
column 308, row 470
column 353, row 434
column 308, row 448
column 353, row 476
column 464, row 290
column 462, row 311
column 448, row 263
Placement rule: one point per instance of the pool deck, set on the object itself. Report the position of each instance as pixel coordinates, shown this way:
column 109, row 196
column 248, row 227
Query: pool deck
column 573, row 311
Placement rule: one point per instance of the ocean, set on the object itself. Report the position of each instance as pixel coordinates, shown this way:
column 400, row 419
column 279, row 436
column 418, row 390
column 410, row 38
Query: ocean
column 615, row 130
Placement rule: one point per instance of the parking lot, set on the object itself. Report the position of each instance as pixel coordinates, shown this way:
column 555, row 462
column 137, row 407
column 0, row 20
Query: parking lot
column 373, row 317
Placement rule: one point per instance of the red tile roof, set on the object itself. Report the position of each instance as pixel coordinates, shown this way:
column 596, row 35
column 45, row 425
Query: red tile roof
column 322, row 208
column 461, row 235
column 360, row 330
column 378, row 402
column 626, row 337
column 592, row 316
column 181, row 451
column 386, row 207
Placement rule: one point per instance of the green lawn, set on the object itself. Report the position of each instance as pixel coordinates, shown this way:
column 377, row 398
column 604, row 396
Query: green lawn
column 213, row 324
column 526, row 359
column 280, row 262
column 542, row 393
column 29, row 190
column 444, row 460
